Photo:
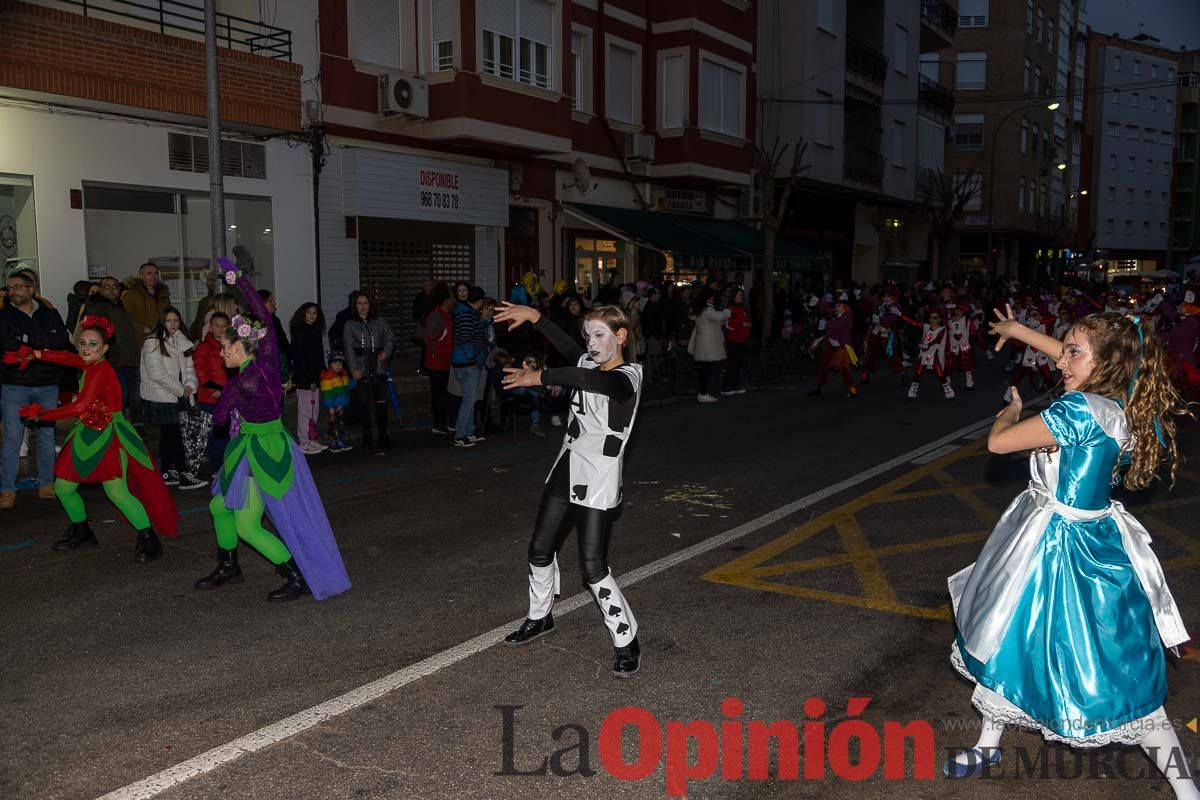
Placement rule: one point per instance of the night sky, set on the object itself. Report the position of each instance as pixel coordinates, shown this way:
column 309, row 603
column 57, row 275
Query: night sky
column 1175, row 22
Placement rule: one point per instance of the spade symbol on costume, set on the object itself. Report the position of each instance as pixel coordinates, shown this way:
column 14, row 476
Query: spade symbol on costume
column 604, row 593
column 614, row 611
column 573, row 429
column 622, row 628
column 580, row 491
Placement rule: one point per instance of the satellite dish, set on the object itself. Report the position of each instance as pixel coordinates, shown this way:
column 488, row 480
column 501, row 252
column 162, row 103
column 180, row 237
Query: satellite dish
column 583, row 175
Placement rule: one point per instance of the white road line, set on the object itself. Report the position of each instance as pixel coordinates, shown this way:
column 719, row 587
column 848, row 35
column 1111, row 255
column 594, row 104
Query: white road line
column 303, row 720
column 934, row 455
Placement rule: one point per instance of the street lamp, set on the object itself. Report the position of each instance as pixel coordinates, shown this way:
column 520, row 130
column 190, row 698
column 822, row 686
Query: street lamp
column 1052, row 106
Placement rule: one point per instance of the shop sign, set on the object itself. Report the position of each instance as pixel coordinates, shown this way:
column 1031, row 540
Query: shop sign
column 411, row 187
column 684, row 201
column 439, row 189
column 977, row 220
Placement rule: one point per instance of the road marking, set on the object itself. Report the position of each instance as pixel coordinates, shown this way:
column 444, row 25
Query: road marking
column 934, row 455
column 298, row 723
column 18, row 546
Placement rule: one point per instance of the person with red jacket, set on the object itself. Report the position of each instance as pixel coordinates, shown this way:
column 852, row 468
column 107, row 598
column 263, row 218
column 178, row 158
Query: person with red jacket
column 438, row 336
column 212, row 375
column 737, row 339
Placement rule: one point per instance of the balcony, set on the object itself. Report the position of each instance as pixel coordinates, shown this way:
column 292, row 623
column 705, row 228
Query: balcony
column 936, row 98
column 862, row 165
column 939, row 21
column 186, row 20
column 865, row 63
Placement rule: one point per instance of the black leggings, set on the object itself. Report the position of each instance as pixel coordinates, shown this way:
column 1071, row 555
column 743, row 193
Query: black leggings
column 373, row 401
column 171, row 454
column 557, row 513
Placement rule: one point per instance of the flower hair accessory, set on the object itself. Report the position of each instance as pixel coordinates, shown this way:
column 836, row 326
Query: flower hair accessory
column 101, row 324
column 232, row 273
column 248, row 328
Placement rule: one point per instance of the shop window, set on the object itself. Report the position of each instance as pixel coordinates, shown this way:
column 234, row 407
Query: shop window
column 18, row 231
column 602, row 262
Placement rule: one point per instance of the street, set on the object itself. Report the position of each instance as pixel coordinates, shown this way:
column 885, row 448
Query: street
column 775, row 547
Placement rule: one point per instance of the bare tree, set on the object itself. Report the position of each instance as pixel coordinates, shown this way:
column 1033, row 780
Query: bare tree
column 776, row 191
column 944, row 199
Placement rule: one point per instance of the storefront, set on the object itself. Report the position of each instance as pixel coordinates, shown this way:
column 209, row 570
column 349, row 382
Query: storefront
column 390, row 221
column 18, row 226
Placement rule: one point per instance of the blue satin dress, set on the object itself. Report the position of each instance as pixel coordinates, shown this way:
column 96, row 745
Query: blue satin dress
column 1055, row 619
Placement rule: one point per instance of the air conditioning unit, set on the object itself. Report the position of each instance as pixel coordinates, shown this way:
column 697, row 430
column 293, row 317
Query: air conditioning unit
column 403, row 95
column 639, row 147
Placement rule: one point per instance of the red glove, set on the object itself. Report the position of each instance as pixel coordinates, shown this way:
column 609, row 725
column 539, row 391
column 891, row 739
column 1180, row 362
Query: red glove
column 31, row 411
column 22, row 355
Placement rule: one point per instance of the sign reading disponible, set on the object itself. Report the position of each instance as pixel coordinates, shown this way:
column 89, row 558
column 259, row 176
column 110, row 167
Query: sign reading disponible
column 439, row 189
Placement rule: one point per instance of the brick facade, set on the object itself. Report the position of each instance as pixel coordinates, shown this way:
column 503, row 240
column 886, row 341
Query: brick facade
column 58, row 52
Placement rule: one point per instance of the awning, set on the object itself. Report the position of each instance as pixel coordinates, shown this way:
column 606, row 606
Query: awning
column 688, row 237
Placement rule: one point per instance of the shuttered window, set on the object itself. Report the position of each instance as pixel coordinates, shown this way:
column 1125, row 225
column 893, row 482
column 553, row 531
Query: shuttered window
column 375, row 32
column 443, row 34
column 720, row 98
column 518, row 38
column 576, row 70
column 620, row 84
column 674, row 91
column 238, row 159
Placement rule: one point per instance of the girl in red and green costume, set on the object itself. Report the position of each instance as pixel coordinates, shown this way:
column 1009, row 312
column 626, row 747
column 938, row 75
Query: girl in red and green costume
column 102, row 448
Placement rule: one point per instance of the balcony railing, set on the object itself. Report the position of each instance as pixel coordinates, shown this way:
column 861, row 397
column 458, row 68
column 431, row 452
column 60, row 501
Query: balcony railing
column 936, row 97
column 172, row 16
column 862, row 165
column 865, row 61
column 941, row 16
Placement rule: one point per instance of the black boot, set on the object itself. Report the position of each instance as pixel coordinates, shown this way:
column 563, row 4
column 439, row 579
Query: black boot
column 293, row 583
column 148, row 546
column 79, row 534
column 227, row 571
column 626, row 659
column 531, row 629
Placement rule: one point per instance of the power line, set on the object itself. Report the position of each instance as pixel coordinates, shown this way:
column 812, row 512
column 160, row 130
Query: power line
column 997, row 98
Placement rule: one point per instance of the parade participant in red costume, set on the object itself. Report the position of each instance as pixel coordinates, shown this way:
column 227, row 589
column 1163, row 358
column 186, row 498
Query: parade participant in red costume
column 1181, row 342
column 962, row 353
column 932, row 355
column 102, row 448
column 1031, row 357
column 882, row 341
column 836, row 349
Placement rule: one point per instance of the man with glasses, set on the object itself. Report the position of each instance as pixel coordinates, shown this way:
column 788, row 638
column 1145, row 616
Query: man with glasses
column 26, row 323
column 123, row 351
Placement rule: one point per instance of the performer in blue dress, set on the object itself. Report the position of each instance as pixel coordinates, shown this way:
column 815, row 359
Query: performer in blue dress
column 1063, row 619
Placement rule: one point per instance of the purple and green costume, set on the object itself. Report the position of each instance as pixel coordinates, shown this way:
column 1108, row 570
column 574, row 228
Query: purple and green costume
column 264, row 470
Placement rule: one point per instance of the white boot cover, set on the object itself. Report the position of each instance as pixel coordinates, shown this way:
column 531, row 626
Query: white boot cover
column 543, row 588
column 617, row 614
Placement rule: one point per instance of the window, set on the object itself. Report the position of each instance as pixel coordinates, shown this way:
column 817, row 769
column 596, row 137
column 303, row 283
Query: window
column 443, row 35
column 1109, row 225
column 720, row 98
column 1135, row 99
column 1036, row 89
column 898, row 147
column 17, row 210
column 1036, row 129
column 1131, row 132
column 1028, row 75
column 969, row 186
column 1112, row 160
column 1132, row 164
column 1029, row 17
column 1153, row 103
column 1162, row 229
column 1137, row 67
column 674, row 91
column 620, row 88
column 1046, row 143
column 1148, row 195
column 576, row 70
column 823, row 119
column 1166, row 137
column 825, row 15
column 1116, row 63
column 1031, row 203
column 972, row 71
column 1171, row 74
column 374, row 32
column 1116, row 97
column 1147, row 135
column 1166, row 199
column 1166, row 168
column 968, row 131
column 1024, row 136
column 1111, row 194
column 973, row 13
column 517, row 37
column 1050, row 34
column 1145, row 229
column 1129, row 197
column 1021, row 194
column 929, row 66
column 1114, row 129
column 900, row 50
column 1045, row 198
column 1128, row 226
column 1154, row 71
column 1037, row 32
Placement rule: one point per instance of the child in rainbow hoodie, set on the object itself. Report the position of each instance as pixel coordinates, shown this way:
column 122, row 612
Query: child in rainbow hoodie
column 336, row 385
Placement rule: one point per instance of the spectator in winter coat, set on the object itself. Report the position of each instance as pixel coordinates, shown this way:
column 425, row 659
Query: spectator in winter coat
column 707, row 346
column 168, row 383
column 336, row 388
column 308, row 362
column 211, row 375
column 470, row 349
column 27, row 323
column 438, row 330
column 123, row 351
column 339, row 322
column 78, row 297
column 145, row 301
column 369, row 343
column 737, row 338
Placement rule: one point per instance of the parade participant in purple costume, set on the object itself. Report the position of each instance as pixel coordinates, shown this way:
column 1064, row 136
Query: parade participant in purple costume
column 264, row 469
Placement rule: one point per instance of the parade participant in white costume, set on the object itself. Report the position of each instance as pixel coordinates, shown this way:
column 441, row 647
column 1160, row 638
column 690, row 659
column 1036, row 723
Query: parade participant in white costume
column 584, row 488
column 932, row 355
column 1063, row 619
column 962, row 352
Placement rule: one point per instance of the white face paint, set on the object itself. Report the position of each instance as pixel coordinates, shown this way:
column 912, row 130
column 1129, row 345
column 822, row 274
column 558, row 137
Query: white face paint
column 602, row 343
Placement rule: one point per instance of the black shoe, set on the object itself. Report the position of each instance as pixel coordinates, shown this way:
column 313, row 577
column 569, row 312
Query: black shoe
column 79, row 534
column 227, row 571
column 531, row 629
column 148, row 546
column 293, row 587
column 626, row 659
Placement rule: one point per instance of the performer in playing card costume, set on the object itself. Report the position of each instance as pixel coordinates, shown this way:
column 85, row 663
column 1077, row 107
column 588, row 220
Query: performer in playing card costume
column 882, row 341
column 102, row 448
column 584, row 487
column 962, row 352
column 1031, row 357
column 1063, row 619
column 932, row 354
column 264, row 469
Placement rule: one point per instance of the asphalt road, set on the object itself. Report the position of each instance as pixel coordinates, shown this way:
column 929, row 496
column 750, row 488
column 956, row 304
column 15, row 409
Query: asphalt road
column 114, row 672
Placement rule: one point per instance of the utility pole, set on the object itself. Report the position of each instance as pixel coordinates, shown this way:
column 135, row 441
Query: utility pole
column 216, row 179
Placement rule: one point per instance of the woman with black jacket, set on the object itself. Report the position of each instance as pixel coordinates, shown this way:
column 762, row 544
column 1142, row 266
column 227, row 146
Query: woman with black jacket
column 308, row 361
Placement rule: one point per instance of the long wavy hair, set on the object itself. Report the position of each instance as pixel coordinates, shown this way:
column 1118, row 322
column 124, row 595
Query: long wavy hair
column 1124, row 348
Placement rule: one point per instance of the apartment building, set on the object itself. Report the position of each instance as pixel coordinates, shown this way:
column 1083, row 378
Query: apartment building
column 1019, row 88
column 1184, row 246
column 586, row 140
column 103, row 149
column 1130, row 129
column 862, row 83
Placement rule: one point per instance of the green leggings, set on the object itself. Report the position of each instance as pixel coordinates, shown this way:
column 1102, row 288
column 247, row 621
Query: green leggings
column 116, row 489
column 247, row 523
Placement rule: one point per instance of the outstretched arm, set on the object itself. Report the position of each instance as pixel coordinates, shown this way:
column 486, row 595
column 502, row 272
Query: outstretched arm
column 268, row 347
column 1006, row 327
column 517, row 315
column 614, row 384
